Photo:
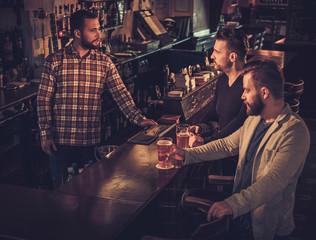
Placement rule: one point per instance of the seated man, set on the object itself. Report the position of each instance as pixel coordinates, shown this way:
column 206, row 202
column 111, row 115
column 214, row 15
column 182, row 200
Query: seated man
column 272, row 145
column 227, row 112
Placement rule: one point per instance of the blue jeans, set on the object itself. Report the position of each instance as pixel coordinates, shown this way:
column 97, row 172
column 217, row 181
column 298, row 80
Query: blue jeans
column 64, row 157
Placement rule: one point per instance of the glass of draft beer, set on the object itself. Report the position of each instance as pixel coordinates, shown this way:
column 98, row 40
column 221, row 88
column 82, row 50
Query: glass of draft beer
column 165, row 147
column 183, row 135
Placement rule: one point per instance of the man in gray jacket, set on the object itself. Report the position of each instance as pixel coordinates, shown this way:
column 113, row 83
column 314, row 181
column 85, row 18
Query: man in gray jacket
column 272, row 145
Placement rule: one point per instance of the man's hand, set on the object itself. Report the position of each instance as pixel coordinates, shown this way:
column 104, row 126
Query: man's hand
column 195, row 140
column 195, row 129
column 177, row 153
column 148, row 122
column 218, row 210
column 48, row 145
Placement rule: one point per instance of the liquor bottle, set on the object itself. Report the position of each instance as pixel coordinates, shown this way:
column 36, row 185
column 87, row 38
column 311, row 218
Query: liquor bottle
column 66, row 20
column 115, row 15
column 105, row 15
column 75, row 168
column 205, row 58
column 101, row 16
column 108, row 129
column 71, row 174
column 25, row 70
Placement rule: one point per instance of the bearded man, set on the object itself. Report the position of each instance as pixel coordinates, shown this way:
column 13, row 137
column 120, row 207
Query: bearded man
column 272, row 145
column 69, row 97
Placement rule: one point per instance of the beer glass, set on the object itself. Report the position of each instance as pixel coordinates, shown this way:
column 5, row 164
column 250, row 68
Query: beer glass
column 165, row 147
column 183, row 135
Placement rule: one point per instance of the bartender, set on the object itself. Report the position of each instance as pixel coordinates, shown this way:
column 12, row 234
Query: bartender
column 69, row 97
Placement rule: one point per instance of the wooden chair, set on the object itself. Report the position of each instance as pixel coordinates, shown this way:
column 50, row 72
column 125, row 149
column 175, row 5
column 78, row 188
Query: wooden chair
column 196, row 203
column 292, row 94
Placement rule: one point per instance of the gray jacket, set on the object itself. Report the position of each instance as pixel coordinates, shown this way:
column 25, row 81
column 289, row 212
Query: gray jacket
column 277, row 166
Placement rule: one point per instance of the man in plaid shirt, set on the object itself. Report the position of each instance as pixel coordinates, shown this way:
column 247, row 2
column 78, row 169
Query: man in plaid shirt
column 69, row 97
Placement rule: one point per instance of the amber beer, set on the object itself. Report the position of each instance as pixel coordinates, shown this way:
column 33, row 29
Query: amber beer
column 183, row 140
column 183, row 135
column 164, row 146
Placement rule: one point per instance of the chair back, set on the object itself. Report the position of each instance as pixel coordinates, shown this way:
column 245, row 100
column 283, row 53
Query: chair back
column 196, row 203
column 292, row 94
column 217, row 229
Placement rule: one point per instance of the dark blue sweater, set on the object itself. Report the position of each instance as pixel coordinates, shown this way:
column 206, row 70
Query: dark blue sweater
column 227, row 109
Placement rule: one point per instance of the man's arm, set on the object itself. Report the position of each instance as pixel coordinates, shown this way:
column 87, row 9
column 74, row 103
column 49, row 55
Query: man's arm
column 44, row 105
column 123, row 98
column 286, row 163
column 218, row 149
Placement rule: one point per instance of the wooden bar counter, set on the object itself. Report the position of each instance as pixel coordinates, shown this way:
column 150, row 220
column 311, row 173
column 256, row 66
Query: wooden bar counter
column 97, row 204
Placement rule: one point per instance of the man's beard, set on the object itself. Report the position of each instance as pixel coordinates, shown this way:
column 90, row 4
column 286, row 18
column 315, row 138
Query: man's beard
column 89, row 45
column 256, row 108
column 228, row 65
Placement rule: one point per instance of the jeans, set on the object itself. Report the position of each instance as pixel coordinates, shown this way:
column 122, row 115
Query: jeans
column 64, row 157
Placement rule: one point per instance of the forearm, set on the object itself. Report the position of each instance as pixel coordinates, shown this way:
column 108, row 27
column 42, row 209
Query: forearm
column 215, row 150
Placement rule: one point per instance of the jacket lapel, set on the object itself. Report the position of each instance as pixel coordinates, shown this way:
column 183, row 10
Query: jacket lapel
column 276, row 124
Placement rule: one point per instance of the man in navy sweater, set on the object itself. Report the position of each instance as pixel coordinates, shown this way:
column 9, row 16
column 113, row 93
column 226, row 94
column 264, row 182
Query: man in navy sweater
column 227, row 112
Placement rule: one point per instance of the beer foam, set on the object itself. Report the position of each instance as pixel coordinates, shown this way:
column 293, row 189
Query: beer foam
column 164, row 142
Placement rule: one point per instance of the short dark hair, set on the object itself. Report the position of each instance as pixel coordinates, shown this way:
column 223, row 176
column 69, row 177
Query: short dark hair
column 266, row 73
column 237, row 40
column 77, row 19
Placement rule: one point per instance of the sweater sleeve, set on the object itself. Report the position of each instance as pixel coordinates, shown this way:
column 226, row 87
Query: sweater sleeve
column 221, row 148
column 232, row 126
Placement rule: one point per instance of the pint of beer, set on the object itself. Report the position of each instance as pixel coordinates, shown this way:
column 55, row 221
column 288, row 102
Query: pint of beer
column 183, row 135
column 164, row 147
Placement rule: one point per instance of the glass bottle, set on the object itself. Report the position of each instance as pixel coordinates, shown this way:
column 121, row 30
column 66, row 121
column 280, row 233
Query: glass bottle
column 71, row 174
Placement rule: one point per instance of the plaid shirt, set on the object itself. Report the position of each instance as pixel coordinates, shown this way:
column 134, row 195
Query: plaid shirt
column 69, row 97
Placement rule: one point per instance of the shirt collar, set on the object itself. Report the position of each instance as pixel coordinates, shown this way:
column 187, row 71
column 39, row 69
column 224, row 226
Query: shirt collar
column 71, row 50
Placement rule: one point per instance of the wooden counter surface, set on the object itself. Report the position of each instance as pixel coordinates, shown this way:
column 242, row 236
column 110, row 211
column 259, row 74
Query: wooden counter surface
column 130, row 174
column 96, row 204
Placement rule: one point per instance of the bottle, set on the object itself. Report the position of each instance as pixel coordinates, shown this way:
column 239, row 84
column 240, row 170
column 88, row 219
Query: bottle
column 71, row 173
column 108, row 129
column 205, row 58
column 75, row 167
column 101, row 15
column 25, row 70
column 115, row 15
